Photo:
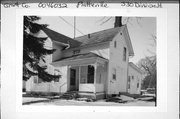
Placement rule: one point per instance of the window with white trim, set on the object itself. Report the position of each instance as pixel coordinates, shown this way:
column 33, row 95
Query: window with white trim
column 129, row 82
column 114, row 74
column 124, row 54
column 56, row 72
column 138, row 85
column 37, row 79
column 75, row 52
column 87, row 74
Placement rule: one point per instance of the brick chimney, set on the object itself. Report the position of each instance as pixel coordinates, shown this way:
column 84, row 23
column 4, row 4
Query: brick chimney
column 89, row 36
column 118, row 21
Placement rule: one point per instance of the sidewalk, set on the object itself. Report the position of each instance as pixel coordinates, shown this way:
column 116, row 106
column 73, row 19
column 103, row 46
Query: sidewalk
column 30, row 100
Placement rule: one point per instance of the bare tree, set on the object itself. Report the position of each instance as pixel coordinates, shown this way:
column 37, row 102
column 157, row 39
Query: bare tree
column 148, row 65
column 119, row 20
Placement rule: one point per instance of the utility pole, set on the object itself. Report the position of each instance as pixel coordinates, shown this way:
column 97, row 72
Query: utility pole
column 74, row 27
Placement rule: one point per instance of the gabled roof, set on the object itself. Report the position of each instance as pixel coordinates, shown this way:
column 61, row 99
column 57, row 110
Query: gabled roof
column 55, row 36
column 135, row 67
column 90, row 39
column 105, row 36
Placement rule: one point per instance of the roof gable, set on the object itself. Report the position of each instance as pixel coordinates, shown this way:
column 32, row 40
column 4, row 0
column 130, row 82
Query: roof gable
column 135, row 67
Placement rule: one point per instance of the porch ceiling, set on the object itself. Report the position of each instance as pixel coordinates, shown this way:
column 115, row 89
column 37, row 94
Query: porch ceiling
column 81, row 59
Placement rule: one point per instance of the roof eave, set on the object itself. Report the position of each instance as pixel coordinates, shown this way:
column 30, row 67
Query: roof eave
column 131, row 51
column 85, row 46
column 89, row 60
column 60, row 43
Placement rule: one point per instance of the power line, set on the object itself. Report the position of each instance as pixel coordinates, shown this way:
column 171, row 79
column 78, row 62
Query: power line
column 71, row 25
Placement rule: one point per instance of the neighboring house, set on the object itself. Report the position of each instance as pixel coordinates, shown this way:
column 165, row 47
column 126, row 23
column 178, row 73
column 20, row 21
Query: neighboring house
column 135, row 76
column 94, row 65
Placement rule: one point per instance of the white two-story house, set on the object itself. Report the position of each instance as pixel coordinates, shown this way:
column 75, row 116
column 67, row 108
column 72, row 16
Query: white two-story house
column 93, row 65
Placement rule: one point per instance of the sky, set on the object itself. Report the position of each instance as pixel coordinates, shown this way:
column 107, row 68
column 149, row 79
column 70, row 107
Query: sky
column 0, row 42
column 140, row 30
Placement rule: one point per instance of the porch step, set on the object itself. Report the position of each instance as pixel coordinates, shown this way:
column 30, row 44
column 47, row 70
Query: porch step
column 69, row 95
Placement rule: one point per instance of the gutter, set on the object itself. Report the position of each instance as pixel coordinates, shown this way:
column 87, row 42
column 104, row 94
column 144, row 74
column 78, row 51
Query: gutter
column 85, row 46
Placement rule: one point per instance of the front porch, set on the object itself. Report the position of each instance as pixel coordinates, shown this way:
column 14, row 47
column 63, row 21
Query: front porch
column 87, row 76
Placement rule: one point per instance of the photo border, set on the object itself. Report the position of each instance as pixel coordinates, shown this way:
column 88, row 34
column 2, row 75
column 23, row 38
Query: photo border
column 161, row 17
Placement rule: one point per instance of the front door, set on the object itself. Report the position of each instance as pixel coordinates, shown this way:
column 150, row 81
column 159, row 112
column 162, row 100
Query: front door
column 72, row 79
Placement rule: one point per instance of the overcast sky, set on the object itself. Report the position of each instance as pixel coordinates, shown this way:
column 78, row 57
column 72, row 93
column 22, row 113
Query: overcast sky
column 140, row 30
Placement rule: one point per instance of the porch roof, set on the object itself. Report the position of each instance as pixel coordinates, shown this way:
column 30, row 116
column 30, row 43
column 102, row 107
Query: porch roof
column 87, row 58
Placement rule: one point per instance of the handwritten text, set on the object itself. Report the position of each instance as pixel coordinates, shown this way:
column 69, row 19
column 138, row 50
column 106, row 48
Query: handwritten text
column 52, row 5
column 16, row 4
column 141, row 5
column 91, row 4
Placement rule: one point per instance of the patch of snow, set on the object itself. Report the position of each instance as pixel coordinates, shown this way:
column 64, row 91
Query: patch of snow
column 32, row 99
column 60, row 102
column 123, row 97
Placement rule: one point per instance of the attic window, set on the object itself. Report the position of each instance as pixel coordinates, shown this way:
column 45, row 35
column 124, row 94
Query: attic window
column 89, row 36
column 76, row 52
column 115, row 44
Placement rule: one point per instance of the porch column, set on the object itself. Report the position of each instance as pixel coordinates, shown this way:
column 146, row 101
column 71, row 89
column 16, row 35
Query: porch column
column 79, row 75
column 68, row 77
column 95, row 68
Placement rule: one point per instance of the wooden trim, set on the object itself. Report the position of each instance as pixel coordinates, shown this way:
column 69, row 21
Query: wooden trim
column 79, row 76
column 91, row 92
column 95, row 69
column 85, row 46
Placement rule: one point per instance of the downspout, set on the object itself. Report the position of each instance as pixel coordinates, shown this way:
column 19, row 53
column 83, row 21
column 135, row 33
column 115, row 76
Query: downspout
column 95, row 73
column 49, row 87
column 79, row 76
column 127, row 75
column 68, row 45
